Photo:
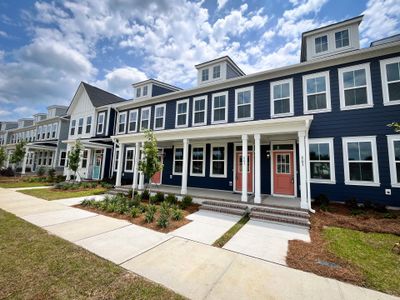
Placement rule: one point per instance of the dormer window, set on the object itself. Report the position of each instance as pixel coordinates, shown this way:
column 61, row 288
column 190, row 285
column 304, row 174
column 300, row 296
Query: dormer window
column 204, row 75
column 138, row 92
column 321, row 44
column 216, row 71
column 342, row 38
column 145, row 90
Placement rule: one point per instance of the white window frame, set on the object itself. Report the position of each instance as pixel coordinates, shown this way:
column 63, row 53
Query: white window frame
column 65, row 159
column 88, row 124
column 136, row 111
column 126, row 159
column 237, row 91
column 327, row 93
column 174, row 160
column 124, row 113
column 220, row 69
column 332, row 166
column 375, row 167
column 226, row 94
column 145, row 88
column 164, row 106
column 385, row 84
column 208, row 76
column 315, row 44
column 205, row 98
column 392, row 162
column 203, row 173
column 53, row 130
column 187, row 113
column 79, row 125
column 138, row 92
column 225, row 160
column 367, row 69
column 85, row 159
column 103, row 123
column 291, row 105
column 148, row 108
column 73, row 126
column 115, row 159
column 348, row 33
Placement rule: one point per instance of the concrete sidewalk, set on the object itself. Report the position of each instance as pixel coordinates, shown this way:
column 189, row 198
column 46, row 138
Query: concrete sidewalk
column 193, row 269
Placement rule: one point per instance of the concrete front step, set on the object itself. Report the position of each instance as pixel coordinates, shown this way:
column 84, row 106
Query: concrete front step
column 226, row 204
column 262, row 216
column 225, row 210
column 281, row 211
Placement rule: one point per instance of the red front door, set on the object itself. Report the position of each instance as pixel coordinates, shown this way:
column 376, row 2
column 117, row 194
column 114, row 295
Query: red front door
column 283, row 173
column 156, row 179
column 239, row 158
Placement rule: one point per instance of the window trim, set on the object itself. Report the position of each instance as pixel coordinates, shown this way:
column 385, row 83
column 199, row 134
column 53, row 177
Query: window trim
column 60, row 158
column 328, row 108
column 208, row 75
column 203, row 173
column 141, row 117
column 126, row 159
column 327, row 44
column 341, row 71
column 129, row 120
column 330, row 142
column 164, row 105
column 88, row 125
column 86, row 159
column 244, row 89
column 115, row 159
column 124, row 113
column 392, row 162
column 187, row 113
column 213, row 73
column 385, row 85
column 73, row 126
column 205, row 98
column 375, row 166
column 173, row 161
column 213, row 96
column 103, row 123
column 291, row 104
column 80, row 126
column 349, row 34
column 222, row 145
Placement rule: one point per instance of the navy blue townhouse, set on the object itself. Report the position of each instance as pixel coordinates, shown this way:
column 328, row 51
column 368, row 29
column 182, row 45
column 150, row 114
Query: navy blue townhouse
column 316, row 127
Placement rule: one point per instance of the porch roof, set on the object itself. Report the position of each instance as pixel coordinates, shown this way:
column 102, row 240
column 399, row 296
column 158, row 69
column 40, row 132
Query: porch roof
column 93, row 143
column 41, row 146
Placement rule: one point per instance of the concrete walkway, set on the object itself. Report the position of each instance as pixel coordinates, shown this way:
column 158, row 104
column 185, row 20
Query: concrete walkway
column 193, row 269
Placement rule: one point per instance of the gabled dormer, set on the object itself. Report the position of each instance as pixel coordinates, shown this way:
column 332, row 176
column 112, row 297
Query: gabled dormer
column 151, row 88
column 8, row 125
column 25, row 122
column 332, row 39
column 56, row 111
column 39, row 117
column 217, row 70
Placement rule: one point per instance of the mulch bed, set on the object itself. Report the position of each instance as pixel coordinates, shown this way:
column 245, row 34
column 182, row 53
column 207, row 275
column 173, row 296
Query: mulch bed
column 140, row 220
column 305, row 256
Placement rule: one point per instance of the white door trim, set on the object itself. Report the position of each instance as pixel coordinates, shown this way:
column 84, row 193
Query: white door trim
column 234, row 166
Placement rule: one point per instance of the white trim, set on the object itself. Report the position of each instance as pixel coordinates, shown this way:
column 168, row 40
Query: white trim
column 164, row 106
column 225, row 146
column 65, row 159
column 226, row 107
column 187, row 113
column 136, row 122
column 375, row 168
column 349, row 38
column 332, row 166
column 272, row 100
column 126, row 159
column 327, row 93
column 203, row 173
column 245, row 89
column 366, row 67
column 115, row 159
column 392, row 162
column 173, row 160
column 205, row 98
column 322, row 34
column 147, row 108
column 249, row 144
column 385, row 87
column 124, row 113
column 103, row 113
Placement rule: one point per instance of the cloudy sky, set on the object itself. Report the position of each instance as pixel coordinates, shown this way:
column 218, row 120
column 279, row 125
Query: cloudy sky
column 47, row 48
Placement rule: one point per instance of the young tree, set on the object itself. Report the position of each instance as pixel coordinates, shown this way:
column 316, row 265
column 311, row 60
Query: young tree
column 395, row 126
column 74, row 157
column 3, row 157
column 18, row 155
column 150, row 163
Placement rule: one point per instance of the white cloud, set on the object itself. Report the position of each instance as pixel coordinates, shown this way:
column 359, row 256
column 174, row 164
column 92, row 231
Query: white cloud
column 221, row 3
column 3, row 34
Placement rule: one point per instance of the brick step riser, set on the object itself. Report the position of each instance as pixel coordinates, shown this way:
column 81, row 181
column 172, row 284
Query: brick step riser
column 228, row 205
column 279, row 220
column 221, row 210
column 280, row 212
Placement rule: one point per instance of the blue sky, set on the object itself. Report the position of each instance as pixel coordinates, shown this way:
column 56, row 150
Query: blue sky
column 48, row 47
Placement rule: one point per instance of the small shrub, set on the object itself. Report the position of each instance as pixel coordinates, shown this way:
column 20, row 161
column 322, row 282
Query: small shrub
column 103, row 205
column 134, row 212
column 106, row 185
column 51, row 173
column 351, row 203
column 121, row 208
column 41, row 171
column 186, row 201
column 165, row 205
column 163, row 220
column 111, row 207
column 152, row 200
column 130, row 193
column 171, row 199
column 60, row 178
column 150, row 212
column 85, row 202
column 142, row 207
column 7, row 172
column 93, row 185
column 159, row 197
column 84, row 185
column 145, row 195
column 177, row 214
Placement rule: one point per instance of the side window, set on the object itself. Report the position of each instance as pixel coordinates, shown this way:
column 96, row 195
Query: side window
column 100, row 122
column 145, row 118
column 199, row 111
column 219, row 111
column 316, row 93
column 322, row 164
column 282, row 98
column 342, row 38
column 244, row 104
column 159, row 117
column 182, row 113
column 321, row 44
column 390, row 73
column 88, row 124
column 133, row 118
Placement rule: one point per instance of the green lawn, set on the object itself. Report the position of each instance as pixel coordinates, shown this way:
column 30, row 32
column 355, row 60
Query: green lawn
column 55, row 194
column 36, row 265
column 21, row 184
column 231, row 232
column 371, row 253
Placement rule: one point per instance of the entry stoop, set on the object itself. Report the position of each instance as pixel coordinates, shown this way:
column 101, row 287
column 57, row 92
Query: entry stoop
column 119, row 190
column 225, row 207
column 297, row 217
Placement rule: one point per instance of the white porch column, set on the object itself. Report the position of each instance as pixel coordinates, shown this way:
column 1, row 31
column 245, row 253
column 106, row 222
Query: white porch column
column 136, row 167
column 24, row 162
column 244, row 167
column 120, row 164
column 257, row 162
column 303, row 169
column 141, row 177
column 185, row 166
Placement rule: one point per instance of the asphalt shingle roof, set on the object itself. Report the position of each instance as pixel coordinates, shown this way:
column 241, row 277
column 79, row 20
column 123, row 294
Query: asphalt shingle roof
column 100, row 97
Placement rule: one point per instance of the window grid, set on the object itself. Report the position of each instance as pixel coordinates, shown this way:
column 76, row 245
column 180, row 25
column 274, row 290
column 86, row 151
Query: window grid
column 145, row 118
column 218, row 161
column 390, row 72
column 129, row 158
column 321, row 44
column 178, row 161
column 200, row 111
column 282, row 98
column 133, row 117
column 342, row 38
column 122, row 122
column 219, row 113
column 182, row 113
column 159, row 117
column 244, row 104
column 197, row 161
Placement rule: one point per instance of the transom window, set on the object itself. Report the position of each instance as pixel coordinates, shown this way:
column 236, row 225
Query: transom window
column 216, row 72
column 321, row 44
column 282, row 98
column 394, row 159
column 200, row 110
column 197, row 161
column 244, row 104
column 145, row 118
column 360, row 159
column 122, row 122
column 342, row 38
column 72, row 130
column 80, row 126
column 133, row 116
column 390, row 72
column 322, row 166
column 219, row 112
column 88, row 124
column 100, row 122
column 204, row 75
column 178, row 161
column 182, row 113
column 129, row 158
column 159, row 117
column 355, row 87
column 316, row 93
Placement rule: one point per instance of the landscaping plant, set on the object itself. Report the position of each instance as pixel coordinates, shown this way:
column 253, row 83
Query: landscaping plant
column 176, row 214
column 19, row 154
column 74, row 157
column 163, row 219
column 171, row 199
column 145, row 195
column 150, row 213
column 186, row 201
column 3, row 157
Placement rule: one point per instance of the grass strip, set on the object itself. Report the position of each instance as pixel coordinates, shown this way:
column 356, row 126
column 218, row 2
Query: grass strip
column 231, row 232
column 55, row 194
column 22, row 184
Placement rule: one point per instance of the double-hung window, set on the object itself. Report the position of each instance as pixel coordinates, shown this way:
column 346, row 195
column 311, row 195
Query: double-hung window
column 244, row 104
column 88, row 124
column 322, row 163
column 216, row 71
column 122, row 122
column 197, row 167
column 316, row 93
column 100, row 122
column 129, row 158
column 182, row 113
column 178, row 161
column 85, row 154
column 159, row 116
column 80, row 126
column 145, row 118
column 342, row 38
column 72, row 131
column 321, row 44
column 116, row 157
column 218, row 161
column 219, row 111
column 282, row 98
column 199, row 111
column 138, row 92
column 204, row 75
column 39, row 132
column 63, row 158
column 390, row 72
column 133, row 118
column 394, row 158
column 360, row 161
column 145, row 90
column 54, row 131
column 355, row 87
column 48, row 131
